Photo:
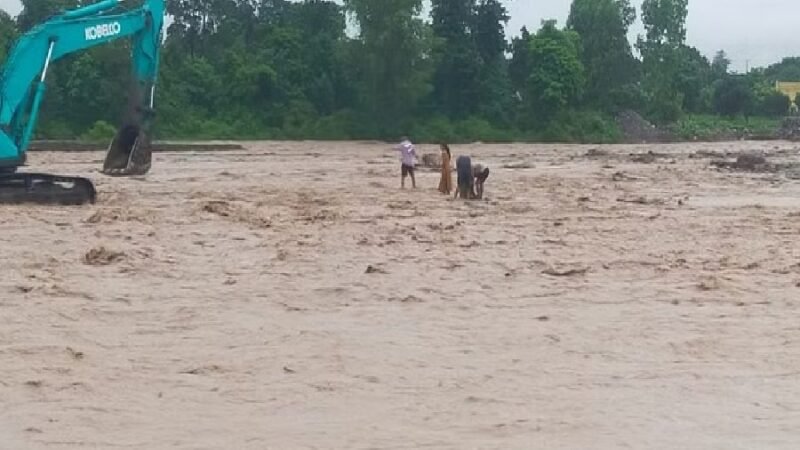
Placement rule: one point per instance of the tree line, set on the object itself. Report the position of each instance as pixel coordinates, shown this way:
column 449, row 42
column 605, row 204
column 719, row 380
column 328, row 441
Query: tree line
column 371, row 69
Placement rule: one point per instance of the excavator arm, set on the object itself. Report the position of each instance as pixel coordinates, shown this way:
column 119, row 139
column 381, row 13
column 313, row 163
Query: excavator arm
column 23, row 84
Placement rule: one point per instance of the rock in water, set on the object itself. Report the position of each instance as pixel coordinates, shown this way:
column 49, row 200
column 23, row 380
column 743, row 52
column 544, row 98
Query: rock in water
column 432, row 161
column 790, row 129
column 750, row 162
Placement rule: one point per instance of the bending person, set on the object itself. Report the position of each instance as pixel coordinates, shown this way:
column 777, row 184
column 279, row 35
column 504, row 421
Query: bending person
column 481, row 173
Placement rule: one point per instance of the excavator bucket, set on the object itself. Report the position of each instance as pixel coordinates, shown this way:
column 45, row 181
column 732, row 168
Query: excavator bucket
column 129, row 153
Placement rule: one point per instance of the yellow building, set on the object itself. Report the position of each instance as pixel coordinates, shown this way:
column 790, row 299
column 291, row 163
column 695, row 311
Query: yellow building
column 789, row 88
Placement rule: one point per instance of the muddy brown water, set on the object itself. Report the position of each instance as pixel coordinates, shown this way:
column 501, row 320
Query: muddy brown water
column 290, row 295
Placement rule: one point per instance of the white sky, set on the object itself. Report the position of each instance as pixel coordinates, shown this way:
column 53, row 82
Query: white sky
column 761, row 31
column 754, row 32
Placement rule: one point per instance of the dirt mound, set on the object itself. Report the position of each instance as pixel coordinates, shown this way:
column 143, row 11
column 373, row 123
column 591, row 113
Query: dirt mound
column 432, row 161
column 636, row 129
column 110, row 215
column 750, row 161
column 249, row 216
column 218, row 207
column 758, row 163
column 647, row 158
column 101, row 256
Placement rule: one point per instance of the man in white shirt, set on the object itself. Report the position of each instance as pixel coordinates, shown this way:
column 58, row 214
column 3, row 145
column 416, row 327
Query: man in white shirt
column 408, row 159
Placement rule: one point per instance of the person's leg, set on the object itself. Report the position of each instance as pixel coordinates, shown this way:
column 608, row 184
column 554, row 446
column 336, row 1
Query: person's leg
column 413, row 178
column 479, row 179
column 403, row 173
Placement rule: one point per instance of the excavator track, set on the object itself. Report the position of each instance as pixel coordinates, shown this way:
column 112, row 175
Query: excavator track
column 45, row 189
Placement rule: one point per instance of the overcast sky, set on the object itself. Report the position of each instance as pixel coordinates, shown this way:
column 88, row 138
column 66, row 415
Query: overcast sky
column 761, row 31
column 754, row 32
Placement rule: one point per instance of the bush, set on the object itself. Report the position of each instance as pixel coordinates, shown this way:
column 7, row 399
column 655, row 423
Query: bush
column 775, row 104
column 665, row 108
column 435, row 129
column 337, row 126
column 474, row 129
column 55, row 129
column 733, row 96
column 101, row 131
column 705, row 127
column 581, row 127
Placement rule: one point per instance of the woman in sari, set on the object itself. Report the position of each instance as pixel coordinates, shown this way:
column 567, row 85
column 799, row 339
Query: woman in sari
column 446, row 182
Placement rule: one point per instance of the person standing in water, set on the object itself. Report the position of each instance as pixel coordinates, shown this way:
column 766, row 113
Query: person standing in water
column 408, row 159
column 465, row 178
column 446, row 182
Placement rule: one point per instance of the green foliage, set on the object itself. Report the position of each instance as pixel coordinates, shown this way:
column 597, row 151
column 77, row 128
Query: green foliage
column 775, row 104
column 101, row 131
column 733, row 96
column 707, row 127
column 665, row 22
column 520, row 65
column 36, row 11
column 580, row 127
column 8, row 33
column 664, row 57
column 55, row 129
column 471, row 76
column 389, row 57
column 693, row 74
column 557, row 76
column 288, row 69
column 786, row 70
column 720, row 65
column 606, row 53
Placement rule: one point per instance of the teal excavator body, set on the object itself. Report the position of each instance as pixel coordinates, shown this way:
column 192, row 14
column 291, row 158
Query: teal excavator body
column 23, row 84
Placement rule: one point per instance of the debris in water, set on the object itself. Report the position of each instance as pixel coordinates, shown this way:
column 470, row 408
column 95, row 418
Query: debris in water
column 101, row 256
column 565, row 273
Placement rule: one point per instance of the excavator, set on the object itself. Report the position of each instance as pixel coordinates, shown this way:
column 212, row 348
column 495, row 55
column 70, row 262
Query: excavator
column 22, row 87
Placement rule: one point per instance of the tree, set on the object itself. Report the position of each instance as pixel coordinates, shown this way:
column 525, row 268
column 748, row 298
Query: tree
column 494, row 89
column 720, row 65
column 491, row 18
column 664, row 22
column 557, row 77
column 390, row 58
column 8, row 34
column 693, row 74
column 520, row 65
column 36, row 11
column 775, row 104
column 457, row 78
column 786, row 70
column 606, row 53
column 733, row 96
